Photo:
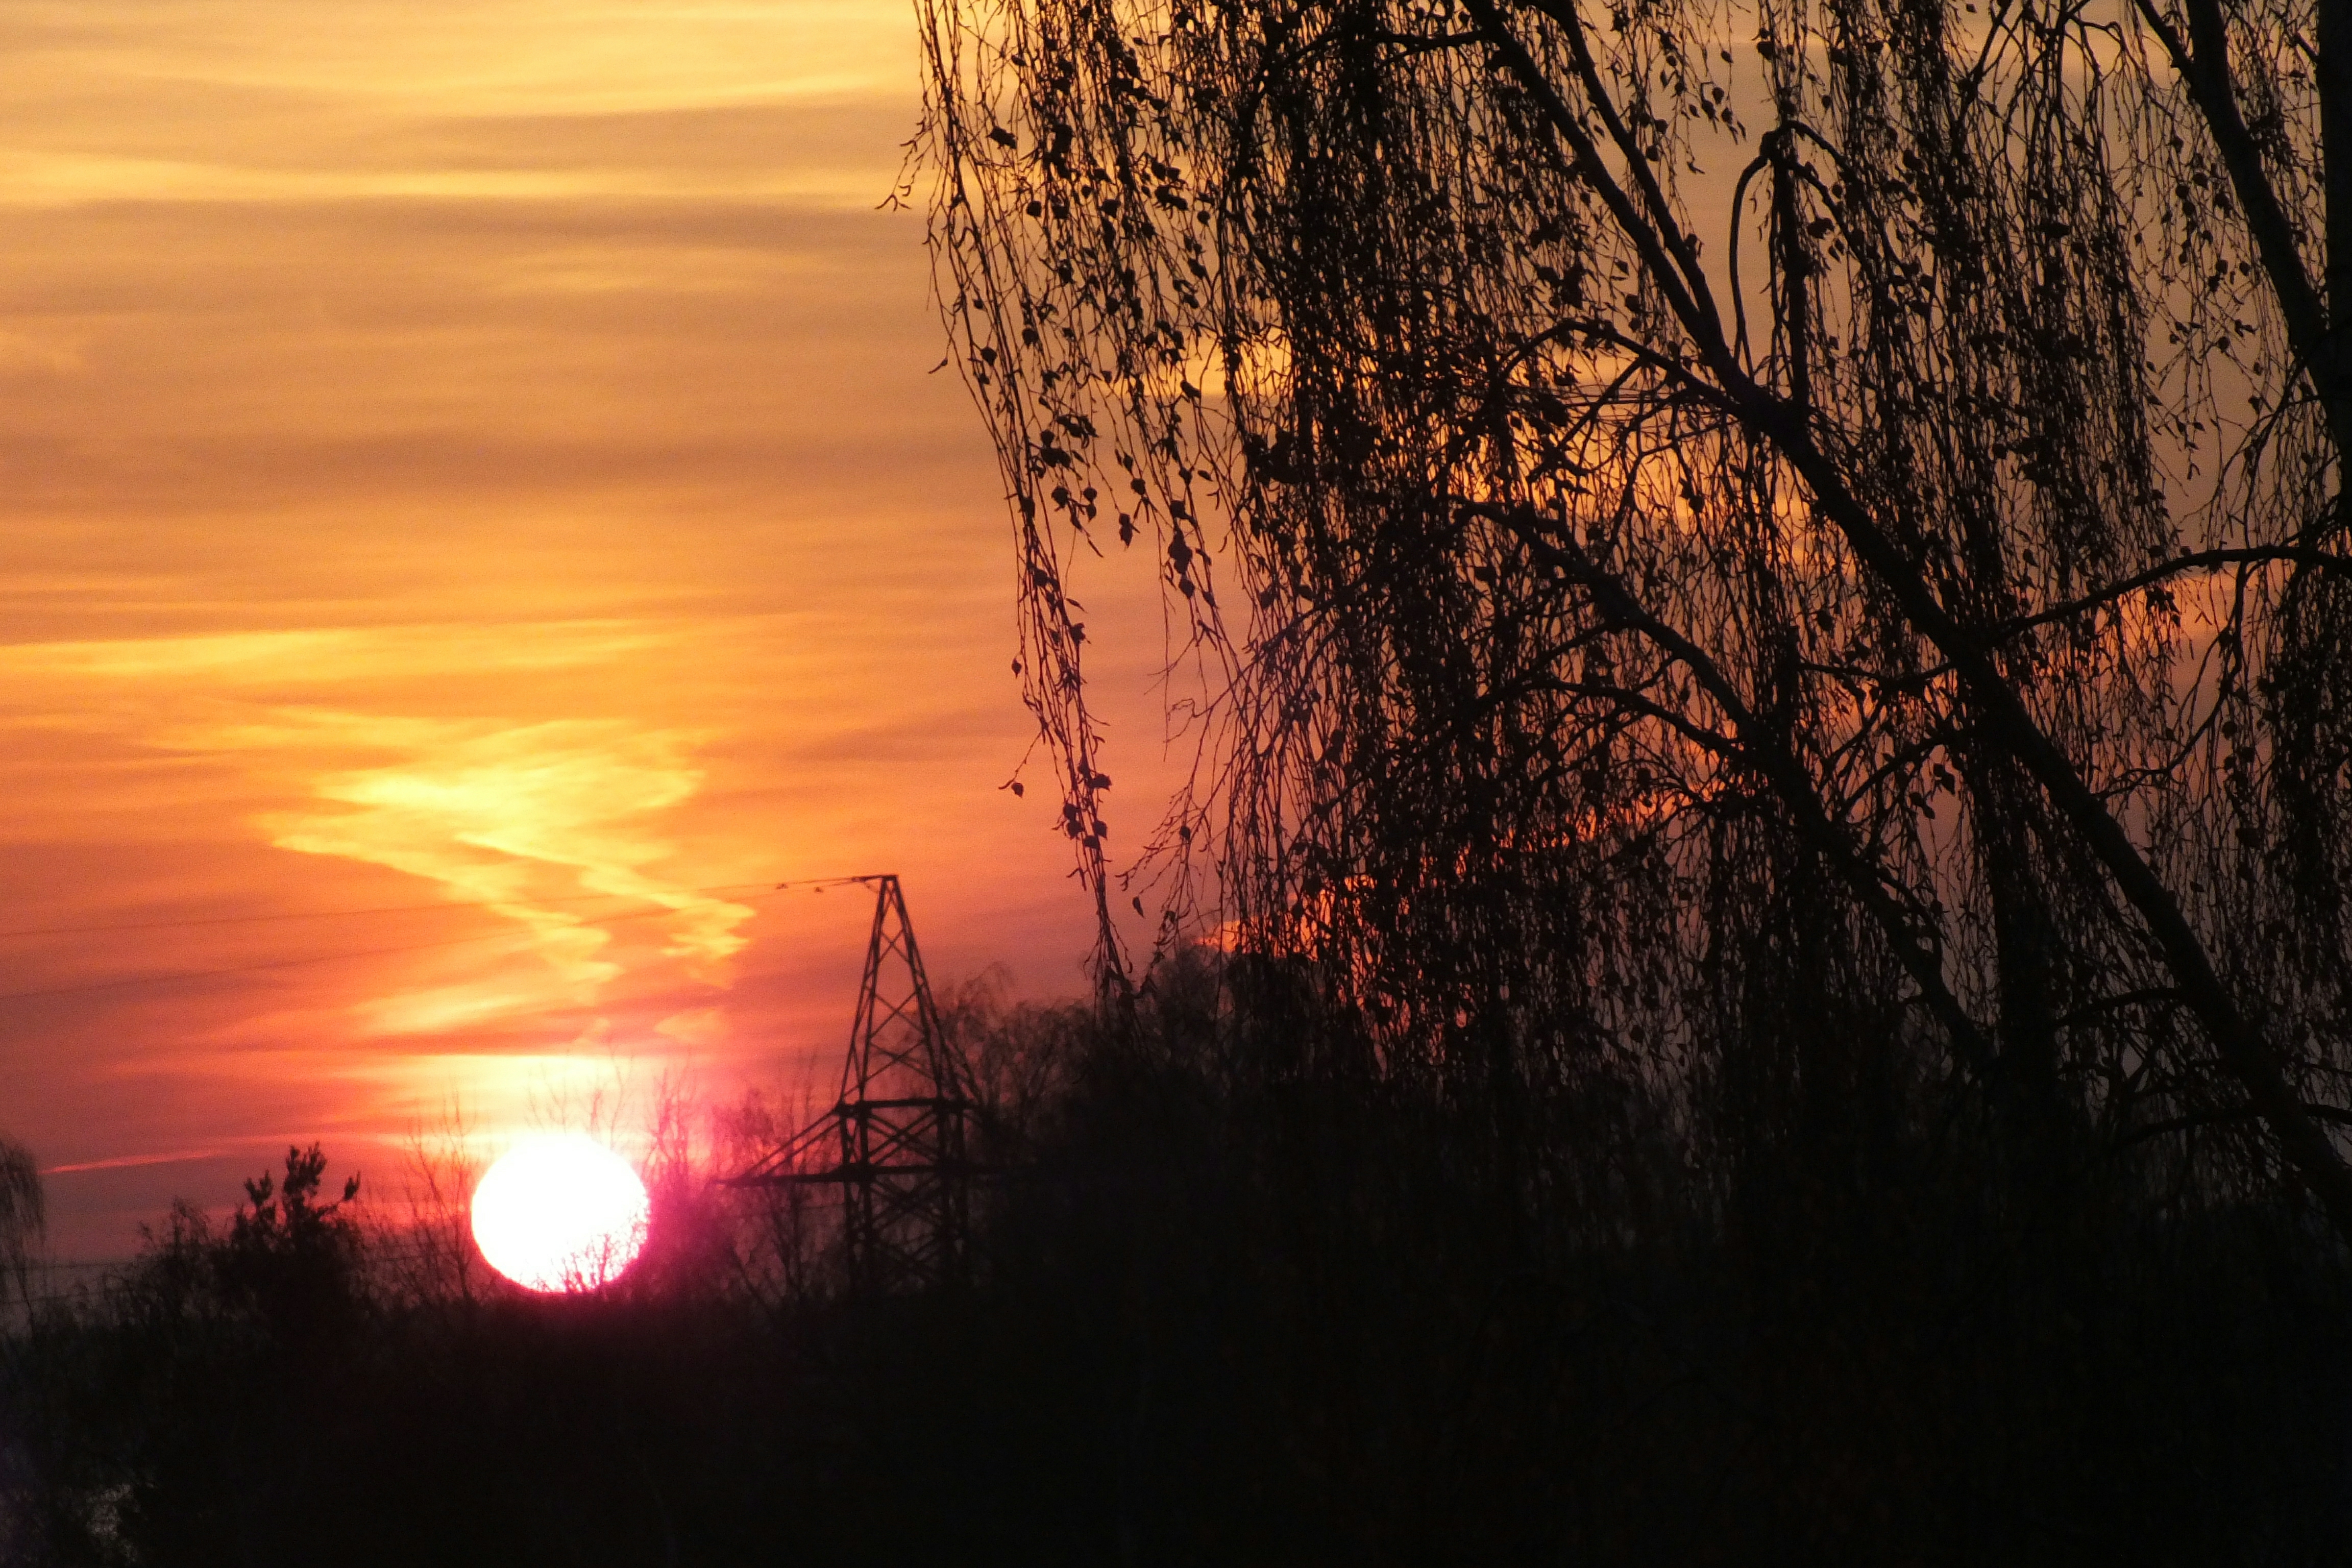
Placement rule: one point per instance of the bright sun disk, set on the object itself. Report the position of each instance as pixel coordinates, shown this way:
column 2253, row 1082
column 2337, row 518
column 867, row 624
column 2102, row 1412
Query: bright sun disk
column 561, row 1212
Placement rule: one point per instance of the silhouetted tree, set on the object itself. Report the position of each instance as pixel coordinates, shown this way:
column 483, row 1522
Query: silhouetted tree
column 287, row 1263
column 287, row 1252
column 1871, row 614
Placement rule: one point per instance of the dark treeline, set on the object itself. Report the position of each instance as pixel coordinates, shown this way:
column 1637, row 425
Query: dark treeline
column 1243, row 1301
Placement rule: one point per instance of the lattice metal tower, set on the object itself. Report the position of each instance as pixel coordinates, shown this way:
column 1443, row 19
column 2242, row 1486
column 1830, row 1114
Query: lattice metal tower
column 895, row 1143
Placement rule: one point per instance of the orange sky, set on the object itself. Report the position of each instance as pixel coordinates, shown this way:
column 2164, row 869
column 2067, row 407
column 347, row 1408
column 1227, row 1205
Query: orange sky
column 472, row 455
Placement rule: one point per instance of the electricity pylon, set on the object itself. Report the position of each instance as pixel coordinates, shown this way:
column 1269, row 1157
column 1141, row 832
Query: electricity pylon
column 896, row 1141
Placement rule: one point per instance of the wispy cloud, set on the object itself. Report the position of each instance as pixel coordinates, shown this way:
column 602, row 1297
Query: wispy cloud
column 520, row 818
column 508, row 818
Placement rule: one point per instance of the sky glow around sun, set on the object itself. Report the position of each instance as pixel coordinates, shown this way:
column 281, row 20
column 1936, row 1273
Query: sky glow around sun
column 478, row 518
column 561, row 1212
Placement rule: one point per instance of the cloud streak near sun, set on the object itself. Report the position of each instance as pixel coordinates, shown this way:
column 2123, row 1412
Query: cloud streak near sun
column 522, row 819
column 512, row 817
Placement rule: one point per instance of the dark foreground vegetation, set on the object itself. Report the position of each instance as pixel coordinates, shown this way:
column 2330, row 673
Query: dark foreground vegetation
column 1246, row 1304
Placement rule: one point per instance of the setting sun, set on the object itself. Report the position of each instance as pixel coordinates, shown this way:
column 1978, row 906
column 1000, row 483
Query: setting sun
column 561, row 1213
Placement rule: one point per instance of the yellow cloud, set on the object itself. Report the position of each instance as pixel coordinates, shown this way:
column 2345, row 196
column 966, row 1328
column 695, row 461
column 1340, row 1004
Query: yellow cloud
column 520, row 818
column 511, row 818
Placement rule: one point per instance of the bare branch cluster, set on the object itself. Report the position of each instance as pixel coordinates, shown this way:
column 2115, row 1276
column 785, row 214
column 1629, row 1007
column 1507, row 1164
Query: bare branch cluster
column 1704, row 524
